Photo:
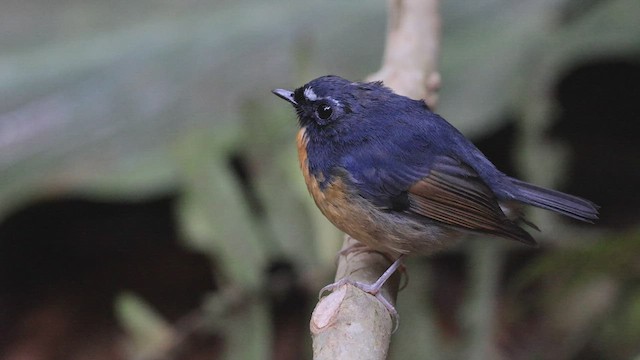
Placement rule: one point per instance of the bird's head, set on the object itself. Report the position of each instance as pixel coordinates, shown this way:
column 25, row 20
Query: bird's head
column 333, row 107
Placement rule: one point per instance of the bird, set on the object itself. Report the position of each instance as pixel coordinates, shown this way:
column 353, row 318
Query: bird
column 399, row 178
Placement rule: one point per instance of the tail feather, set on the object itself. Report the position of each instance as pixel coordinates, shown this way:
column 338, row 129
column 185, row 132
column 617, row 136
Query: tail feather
column 556, row 201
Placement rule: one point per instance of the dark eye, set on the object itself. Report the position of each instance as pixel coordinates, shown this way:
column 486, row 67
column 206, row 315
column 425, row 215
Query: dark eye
column 324, row 111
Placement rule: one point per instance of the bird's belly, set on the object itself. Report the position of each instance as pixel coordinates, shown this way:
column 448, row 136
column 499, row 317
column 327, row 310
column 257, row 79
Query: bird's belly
column 387, row 231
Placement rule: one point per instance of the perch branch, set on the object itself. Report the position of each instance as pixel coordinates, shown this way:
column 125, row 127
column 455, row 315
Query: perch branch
column 351, row 324
column 343, row 323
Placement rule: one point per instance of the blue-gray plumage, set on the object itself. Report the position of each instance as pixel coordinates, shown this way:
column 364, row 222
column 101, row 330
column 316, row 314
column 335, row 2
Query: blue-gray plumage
column 408, row 180
column 392, row 174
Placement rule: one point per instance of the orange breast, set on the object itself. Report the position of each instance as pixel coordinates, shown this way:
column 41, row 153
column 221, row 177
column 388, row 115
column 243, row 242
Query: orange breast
column 312, row 182
column 328, row 200
column 335, row 200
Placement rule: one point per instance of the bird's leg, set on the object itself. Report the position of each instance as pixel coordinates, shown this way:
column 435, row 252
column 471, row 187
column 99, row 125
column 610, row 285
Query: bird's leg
column 373, row 289
column 359, row 248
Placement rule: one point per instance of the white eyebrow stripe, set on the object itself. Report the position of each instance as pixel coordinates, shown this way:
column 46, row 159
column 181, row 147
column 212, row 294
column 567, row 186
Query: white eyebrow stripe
column 310, row 95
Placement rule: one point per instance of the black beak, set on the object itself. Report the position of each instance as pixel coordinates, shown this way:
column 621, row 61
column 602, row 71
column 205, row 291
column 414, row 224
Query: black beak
column 286, row 95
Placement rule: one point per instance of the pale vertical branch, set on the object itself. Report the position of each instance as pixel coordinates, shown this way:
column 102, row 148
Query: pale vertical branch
column 412, row 50
column 350, row 323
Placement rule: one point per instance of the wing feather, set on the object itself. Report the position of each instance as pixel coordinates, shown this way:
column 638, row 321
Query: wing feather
column 454, row 194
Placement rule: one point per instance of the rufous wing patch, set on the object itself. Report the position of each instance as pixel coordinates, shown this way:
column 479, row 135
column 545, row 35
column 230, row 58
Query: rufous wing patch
column 458, row 197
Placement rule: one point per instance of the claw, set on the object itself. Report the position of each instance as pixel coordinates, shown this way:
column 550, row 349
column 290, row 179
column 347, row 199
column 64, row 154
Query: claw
column 331, row 287
column 395, row 317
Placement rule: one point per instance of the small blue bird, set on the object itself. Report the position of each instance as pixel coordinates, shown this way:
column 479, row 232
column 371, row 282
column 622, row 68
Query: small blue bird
column 399, row 178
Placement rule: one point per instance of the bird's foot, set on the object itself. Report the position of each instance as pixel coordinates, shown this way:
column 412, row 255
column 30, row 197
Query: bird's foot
column 359, row 248
column 373, row 289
